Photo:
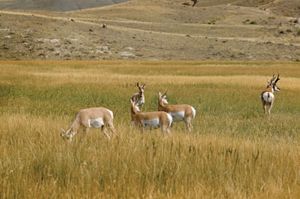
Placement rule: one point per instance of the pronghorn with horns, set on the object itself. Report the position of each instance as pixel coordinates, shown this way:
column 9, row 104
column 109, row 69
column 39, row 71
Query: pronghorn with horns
column 150, row 120
column 179, row 112
column 267, row 96
column 139, row 97
column 91, row 118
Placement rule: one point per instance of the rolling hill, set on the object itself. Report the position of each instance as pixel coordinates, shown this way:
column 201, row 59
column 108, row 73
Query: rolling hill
column 151, row 30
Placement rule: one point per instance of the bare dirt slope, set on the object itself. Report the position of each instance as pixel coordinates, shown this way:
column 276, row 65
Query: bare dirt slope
column 156, row 29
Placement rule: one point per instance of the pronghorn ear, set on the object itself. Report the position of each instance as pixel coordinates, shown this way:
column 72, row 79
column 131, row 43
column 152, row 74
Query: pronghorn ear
column 131, row 101
column 138, row 84
column 144, row 85
column 62, row 130
column 159, row 94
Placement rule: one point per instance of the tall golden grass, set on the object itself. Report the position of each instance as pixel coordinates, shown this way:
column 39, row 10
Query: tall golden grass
column 235, row 151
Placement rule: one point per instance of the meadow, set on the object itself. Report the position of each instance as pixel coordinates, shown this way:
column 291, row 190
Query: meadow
column 234, row 151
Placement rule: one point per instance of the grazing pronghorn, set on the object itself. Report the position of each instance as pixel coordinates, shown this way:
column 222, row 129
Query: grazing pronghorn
column 91, row 117
column 267, row 96
column 139, row 97
column 182, row 112
column 150, row 120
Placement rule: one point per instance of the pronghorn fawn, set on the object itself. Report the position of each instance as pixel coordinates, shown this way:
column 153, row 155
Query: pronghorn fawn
column 91, row 118
column 179, row 112
column 139, row 97
column 152, row 120
column 267, row 96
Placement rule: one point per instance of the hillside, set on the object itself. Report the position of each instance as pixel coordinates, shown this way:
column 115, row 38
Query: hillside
column 55, row 5
column 154, row 30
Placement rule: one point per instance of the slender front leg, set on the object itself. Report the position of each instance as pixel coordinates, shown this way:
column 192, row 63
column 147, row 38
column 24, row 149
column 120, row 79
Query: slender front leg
column 112, row 128
column 103, row 129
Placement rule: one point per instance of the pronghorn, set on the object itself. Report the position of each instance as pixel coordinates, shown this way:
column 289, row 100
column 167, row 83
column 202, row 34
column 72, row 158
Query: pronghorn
column 91, row 117
column 139, row 97
column 194, row 2
column 267, row 96
column 182, row 112
column 150, row 119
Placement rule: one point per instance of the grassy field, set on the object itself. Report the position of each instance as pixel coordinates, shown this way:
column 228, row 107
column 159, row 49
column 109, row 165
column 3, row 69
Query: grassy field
column 235, row 151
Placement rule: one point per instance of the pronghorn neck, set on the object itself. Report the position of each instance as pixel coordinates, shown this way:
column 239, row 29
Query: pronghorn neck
column 134, row 110
column 269, row 89
column 141, row 97
column 141, row 93
column 161, row 104
column 76, row 124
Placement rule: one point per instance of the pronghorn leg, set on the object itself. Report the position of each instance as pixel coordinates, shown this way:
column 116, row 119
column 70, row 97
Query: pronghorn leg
column 141, row 126
column 165, row 129
column 103, row 129
column 270, row 107
column 188, row 124
column 265, row 108
column 112, row 128
column 168, row 131
column 86, row 130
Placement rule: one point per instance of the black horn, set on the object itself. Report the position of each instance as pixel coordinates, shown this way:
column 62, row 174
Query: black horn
column 277, row 79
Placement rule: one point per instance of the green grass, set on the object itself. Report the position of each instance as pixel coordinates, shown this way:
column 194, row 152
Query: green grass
column 235, row 151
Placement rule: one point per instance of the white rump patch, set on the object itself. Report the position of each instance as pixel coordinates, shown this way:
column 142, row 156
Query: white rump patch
column 96, row 123
column 154, row 123
column 268, row 97
column 177, row 116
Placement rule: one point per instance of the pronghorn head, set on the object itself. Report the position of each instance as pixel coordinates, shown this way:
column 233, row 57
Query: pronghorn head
column 141, row 87
column 162, row 98
column 134, row 106
column 272, row 83
column 139, row 97
column 68, row 134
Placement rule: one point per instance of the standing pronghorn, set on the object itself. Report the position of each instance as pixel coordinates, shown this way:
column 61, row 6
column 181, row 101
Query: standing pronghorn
column 91, row 117
column 182, row 112
column 150, row 119
column 267, row 96
column 139, row 97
